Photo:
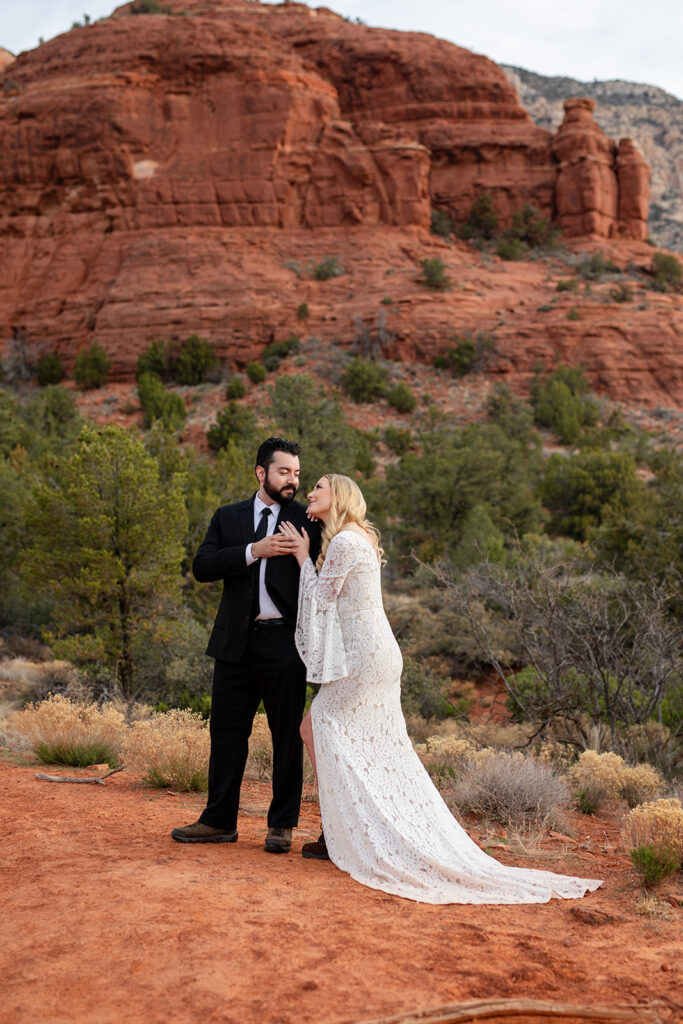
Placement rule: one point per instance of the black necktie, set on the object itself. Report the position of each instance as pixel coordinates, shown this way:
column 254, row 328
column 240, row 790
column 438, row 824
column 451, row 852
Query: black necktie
column 261, row 531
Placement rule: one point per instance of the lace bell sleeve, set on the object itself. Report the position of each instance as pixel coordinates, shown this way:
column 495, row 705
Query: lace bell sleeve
column 319, row 638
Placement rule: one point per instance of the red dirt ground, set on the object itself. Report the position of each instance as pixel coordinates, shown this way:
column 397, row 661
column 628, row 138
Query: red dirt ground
column 106, row 919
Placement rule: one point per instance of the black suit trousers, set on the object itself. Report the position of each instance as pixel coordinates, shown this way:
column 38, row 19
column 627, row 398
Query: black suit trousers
column 270, row 671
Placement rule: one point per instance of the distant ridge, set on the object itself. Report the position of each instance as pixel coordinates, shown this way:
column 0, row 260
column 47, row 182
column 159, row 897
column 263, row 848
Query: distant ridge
column 652, row 117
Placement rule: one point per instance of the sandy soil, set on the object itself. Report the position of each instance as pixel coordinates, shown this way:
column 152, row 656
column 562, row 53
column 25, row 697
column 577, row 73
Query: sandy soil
column 106, row 919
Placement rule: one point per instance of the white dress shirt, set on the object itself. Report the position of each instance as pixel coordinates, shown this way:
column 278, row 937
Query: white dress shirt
column 268, row 609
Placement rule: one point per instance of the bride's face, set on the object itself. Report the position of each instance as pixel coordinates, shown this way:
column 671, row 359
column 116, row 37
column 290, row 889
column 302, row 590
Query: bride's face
column 320, row 499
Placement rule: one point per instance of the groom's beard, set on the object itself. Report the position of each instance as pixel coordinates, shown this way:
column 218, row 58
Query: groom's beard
column 282, row 496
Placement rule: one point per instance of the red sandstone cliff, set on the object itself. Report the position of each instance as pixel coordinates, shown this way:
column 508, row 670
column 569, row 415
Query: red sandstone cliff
column 156, row 172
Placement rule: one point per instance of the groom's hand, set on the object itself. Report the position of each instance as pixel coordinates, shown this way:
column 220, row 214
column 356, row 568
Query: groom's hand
column 270, row 547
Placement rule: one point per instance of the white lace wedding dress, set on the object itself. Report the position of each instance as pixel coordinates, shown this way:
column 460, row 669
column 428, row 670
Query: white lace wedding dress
column 384, row 821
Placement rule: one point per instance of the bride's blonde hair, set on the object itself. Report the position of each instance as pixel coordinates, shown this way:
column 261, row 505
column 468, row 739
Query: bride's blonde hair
column 348, row 506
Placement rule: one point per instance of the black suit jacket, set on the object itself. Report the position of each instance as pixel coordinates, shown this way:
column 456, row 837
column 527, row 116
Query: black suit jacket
column 222, row 555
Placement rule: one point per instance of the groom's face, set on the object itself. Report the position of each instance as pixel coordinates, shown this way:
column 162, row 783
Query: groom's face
column 281, row 480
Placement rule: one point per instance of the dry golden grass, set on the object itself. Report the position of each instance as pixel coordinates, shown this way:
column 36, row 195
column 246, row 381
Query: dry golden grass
column 170, row 749
column 604, row 778
column 64, row 731
column 648, row 905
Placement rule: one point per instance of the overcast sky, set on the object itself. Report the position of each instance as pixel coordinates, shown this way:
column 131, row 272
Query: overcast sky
column 584, row 39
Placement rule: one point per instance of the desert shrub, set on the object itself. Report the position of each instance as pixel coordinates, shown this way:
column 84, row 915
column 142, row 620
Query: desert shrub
column 401, row 397
column 302, row 311
column 621, row 293
column 169, row 749
column 398, row 439
column 467, row 355
column 234, row 389
column 595, row 265
column 529, row 228
column 149, row 7
column 64, row 731
column 653, row 743
column 327, row 269
column 441, row 223
column 653, row 832
column 159, row 404
column 364, row 380
column 667, row 272
column 158, row 359
column 33, row 681
column 509, row 788
column 233, row 423
column 434, row 274
column 423, row 691
column 567, row 285
column 91, row 368
column 50, row 369
column 482, row 221
column 273, row 355
column 580, row 490
column 597, row 779
column 256, row 372
column 511, row 248
column 445, row 757
column 573, row 313
column 194, row 361
column 640, row 783
column 562, row 401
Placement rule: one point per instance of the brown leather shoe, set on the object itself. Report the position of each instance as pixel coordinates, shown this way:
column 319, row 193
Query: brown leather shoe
column 278, row 840
column 199, row 833
column 316, row 850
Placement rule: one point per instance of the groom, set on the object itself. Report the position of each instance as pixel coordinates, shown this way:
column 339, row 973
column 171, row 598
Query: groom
column 253, row 644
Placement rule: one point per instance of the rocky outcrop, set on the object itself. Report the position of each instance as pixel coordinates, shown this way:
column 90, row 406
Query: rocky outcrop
column 600, row 190
column 6, row 58
column 166, row 174
column 649, row 116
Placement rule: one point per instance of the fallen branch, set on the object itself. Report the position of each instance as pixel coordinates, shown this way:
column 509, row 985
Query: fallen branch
column 458, row 1013
column 77, row 778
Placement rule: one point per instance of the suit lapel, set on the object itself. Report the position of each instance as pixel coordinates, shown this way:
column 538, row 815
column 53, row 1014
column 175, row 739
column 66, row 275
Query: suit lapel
column 246, row 519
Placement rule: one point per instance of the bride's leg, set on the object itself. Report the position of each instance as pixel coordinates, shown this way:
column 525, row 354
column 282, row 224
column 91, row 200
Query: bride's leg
column 306, row 731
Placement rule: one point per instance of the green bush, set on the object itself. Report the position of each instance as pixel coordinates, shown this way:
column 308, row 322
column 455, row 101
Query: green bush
column 91, row 369
column 423, row 692
column 573, row 314
column 580, row 490
column 441, row 224
column 235, row 388
column 50, row 369
column 398, row 439
column 529, row 227
column 279, row 350
column 302, row 311
column 434, row 274
column 621, row 293
column 511, row 248
column 563, row 403
column 149, row 7
column 667, row 272
column 568, row 285
column 364, row 380
column 159, row 404
column 195, row 359
column 594, row 266
column 654, row 865
column 327, row 269
column 156, row 359
column 468, row 355
column 256, row 372
column 401, row 397
column 234, row 423
column 482, row 221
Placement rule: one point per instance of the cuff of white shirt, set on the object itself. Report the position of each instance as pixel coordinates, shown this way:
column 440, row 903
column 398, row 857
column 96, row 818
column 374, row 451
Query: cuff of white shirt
column 250, row 558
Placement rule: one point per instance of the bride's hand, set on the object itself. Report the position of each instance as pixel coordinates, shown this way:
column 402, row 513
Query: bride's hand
column 301, row 541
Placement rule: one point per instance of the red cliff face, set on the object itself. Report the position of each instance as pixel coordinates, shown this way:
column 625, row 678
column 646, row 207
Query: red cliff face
column 166, row 174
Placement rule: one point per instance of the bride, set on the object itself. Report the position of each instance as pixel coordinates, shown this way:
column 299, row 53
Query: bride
column 384, row 821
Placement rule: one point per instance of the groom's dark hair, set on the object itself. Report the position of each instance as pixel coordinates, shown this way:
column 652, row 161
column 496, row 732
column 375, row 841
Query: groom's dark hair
column 264, row 456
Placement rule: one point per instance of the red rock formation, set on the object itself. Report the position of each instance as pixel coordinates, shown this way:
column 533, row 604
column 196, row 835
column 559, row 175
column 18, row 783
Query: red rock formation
column 161, row 175
column 6, row 58
column 600, row 190
column 633, row 175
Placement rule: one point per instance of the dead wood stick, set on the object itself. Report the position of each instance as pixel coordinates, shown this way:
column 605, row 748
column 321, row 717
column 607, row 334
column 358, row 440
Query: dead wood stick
column 458, row 1013
column 76, row 778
